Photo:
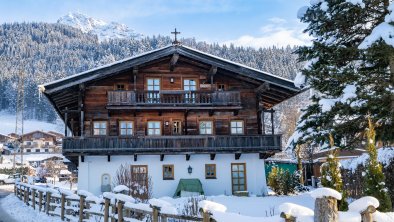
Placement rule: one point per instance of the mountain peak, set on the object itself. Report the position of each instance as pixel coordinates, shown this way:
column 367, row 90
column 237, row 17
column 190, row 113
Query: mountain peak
column 102, row 29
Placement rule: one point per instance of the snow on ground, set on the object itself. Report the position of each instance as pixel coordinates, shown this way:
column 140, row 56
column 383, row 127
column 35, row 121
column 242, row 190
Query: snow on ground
column 8, row 125
column 251, row 206
column 20, row 212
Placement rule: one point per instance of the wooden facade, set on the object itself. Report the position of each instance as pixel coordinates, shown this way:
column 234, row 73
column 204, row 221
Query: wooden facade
column 173, row 100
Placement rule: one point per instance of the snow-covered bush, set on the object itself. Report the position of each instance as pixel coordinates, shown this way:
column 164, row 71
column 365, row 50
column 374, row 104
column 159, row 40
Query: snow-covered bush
column 331, row 175
column 374, row 178
column 139, row 188
column 282, row 181
column 190, row 207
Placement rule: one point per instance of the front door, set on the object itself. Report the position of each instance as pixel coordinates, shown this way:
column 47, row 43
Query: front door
column 238, row 177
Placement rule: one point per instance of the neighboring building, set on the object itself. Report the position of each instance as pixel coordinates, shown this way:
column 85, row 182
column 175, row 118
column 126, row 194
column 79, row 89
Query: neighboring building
column 41, row 142
column 321, row 157
column 170, row 114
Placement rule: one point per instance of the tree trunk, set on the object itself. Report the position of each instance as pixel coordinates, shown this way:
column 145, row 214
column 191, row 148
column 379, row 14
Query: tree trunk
column 326, row 210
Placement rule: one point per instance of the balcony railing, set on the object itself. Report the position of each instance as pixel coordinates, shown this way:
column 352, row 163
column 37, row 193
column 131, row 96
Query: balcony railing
column 172, row 144
column 173, row 98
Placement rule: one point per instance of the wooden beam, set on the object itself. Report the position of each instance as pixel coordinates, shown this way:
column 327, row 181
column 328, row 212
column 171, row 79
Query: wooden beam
column 173, row 61
column 187, row 157
column 161, row 157
column 82, row 159
column 237, row 156
column 213, row 70
column 272, row 122
column 135, row 157
column 212, row 156
column 65, row 122
column 263, row 88
column 108, row 158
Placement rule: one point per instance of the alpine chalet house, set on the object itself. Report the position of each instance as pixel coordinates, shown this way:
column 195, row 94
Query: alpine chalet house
column 170, row 114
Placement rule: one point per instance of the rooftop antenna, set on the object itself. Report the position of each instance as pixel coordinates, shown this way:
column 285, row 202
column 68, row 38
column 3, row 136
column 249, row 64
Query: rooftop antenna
column 176, row 42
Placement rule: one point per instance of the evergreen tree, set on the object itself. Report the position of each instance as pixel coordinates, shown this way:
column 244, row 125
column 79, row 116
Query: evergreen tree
column 374, row 180
column 348, row 81
column 331, row 175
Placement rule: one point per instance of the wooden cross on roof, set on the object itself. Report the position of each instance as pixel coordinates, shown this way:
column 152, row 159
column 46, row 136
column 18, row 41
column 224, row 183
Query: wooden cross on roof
column 175, row 34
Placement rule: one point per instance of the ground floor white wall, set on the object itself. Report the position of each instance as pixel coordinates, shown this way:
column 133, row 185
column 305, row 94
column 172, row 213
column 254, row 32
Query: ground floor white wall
column 91, row 170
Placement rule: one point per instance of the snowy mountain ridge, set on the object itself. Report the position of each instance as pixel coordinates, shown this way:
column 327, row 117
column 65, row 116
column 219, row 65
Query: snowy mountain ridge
column 102, row 29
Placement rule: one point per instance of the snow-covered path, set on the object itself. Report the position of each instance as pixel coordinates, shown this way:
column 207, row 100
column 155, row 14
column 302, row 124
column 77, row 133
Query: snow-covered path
column 4, row 216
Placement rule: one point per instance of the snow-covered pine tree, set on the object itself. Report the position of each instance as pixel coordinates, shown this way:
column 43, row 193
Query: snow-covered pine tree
column 374, row 179
column 346, row 87
column 331, row 174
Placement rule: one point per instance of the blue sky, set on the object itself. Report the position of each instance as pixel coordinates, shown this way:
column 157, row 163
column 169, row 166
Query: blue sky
column 256, row 23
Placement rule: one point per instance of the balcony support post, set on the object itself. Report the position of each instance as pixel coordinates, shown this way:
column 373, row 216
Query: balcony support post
column 263, row 121
column 81, row 107
column 185, row 120
column 272, row 122
column 135, row 72
column 65, row 121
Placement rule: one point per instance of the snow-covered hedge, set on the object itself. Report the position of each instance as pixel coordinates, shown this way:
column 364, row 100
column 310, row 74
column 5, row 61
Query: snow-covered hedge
column 385, row 156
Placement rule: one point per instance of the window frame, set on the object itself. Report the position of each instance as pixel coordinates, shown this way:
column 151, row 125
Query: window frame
column 172, row 172
column 160, row 128
column 199, row 127
column 236, row 127
column 106, row 128
column 214, row 171
column 127, row 129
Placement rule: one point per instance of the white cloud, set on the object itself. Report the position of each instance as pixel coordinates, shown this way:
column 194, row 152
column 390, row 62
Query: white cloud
column 278, row 32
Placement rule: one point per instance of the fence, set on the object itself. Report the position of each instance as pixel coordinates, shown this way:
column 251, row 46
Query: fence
column 83, row 206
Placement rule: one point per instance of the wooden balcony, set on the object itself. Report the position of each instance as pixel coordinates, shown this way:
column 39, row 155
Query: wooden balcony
column 188, row 144
column 174, row 99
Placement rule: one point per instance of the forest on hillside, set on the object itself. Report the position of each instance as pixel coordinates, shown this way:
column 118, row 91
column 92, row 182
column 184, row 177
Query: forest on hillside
column 43, row 52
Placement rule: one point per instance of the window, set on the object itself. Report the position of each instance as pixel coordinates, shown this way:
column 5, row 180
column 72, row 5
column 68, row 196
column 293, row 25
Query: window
column 206, row 127
column 120, row 87
column 168, row 172
column 189, row 85
column 126, row 128
column 154, row 128
column 28, row 150
column 153, row 85
column 221, row 87
column 176, row 127
column 238, row 176
column 46, row 150
column 37, row 150
column 99, row 128
column 28, row 143
column 46, row 143
column 237, row 127
column 210, row 171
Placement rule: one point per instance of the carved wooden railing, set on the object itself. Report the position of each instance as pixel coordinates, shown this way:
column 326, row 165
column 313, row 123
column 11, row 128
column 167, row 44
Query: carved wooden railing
column 186, row 143
column 184, row 98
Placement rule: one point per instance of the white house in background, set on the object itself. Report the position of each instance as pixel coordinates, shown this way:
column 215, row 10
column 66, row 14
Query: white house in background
column 41, row 142
column 171, row 114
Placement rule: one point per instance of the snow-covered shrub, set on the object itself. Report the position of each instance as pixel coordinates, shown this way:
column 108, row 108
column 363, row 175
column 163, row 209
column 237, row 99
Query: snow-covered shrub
column 190, row 207
column 331, row 176
column 374, row 178
column 139, row 188
column 282, row 181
